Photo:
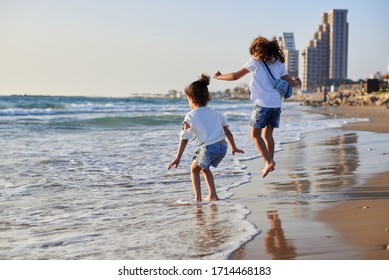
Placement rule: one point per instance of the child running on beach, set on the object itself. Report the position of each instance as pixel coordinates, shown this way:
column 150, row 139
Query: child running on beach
column 266, row 113
column 210, row 128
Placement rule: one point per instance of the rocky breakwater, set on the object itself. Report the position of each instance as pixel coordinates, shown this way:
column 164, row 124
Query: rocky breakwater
column 344, row 98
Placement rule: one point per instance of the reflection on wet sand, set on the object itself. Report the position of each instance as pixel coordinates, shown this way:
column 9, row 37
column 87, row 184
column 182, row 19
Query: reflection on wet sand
column 324, row 169
column 275, row 242
column 345, row 155
column 317, row 170
column 209, row 234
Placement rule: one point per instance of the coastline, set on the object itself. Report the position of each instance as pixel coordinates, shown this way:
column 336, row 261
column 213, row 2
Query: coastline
column 364, row 219
column 378, row 116
column 352, row 223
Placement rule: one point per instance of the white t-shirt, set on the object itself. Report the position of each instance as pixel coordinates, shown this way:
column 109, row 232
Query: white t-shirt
column 262, row 92
column 207, row 125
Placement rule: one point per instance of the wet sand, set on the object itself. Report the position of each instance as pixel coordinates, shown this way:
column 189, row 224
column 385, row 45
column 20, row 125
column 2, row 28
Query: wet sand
column 378, row 116
column 328, row 198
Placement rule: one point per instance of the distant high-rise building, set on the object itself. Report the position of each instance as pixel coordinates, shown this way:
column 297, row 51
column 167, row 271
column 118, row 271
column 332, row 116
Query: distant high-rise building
column 325, row 57
column 290, row 52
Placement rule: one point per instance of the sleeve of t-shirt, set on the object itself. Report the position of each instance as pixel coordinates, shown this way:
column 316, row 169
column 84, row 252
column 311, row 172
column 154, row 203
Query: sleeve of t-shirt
column 188, row 120
column 224, row 121
column 250, row 65
column 186, row 133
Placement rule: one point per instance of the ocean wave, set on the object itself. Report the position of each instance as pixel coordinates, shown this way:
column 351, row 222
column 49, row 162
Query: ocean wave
column 115, row 121
column 77, row 122
column 41, row 106
column 87, row 108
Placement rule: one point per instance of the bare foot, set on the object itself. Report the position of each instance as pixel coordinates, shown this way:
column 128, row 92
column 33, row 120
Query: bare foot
column 197, row 199
column 268, row 168
column 271, row 170
column 211, row 198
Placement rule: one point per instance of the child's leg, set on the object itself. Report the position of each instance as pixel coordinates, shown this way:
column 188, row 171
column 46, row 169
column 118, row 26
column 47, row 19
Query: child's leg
column 256, row 135
column 195, row 175
column 211, row 184
column 269, row 140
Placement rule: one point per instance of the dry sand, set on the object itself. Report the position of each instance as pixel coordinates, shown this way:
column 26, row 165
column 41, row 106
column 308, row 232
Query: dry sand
column 321, row 204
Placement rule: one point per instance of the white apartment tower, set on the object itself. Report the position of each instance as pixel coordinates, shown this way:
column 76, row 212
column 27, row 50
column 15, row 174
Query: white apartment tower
column 290, row 52
column 325, row 57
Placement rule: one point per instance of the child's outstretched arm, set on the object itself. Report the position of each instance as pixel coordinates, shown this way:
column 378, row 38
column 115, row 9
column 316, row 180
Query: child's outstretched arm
column 184, row 139
column 231, row 140
column 180, row 151
column 233, row 76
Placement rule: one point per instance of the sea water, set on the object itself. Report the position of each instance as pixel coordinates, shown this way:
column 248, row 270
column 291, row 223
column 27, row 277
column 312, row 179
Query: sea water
column 87, row 178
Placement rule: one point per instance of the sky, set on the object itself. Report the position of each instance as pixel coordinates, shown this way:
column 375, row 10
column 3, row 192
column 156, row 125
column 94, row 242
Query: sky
column 119, row 47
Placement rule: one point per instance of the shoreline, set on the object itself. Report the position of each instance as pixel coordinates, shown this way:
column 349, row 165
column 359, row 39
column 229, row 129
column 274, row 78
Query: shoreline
column 351, row 224
column 367, row 209
column 378, row 116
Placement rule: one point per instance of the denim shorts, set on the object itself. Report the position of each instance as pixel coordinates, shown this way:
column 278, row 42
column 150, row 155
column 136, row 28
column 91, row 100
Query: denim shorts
column 262, row 117
column 209, row 155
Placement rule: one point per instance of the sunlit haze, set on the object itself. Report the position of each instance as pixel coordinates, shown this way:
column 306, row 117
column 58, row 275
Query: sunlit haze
column 119, row 47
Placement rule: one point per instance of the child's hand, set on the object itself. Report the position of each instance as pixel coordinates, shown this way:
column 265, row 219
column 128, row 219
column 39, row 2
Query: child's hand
column 217, row 74
column 236, row 150
column 175, row 162
column 296, row 81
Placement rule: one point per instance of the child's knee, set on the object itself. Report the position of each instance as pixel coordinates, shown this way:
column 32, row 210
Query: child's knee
column 206, row 171
column 195, row 168
column 256, row 133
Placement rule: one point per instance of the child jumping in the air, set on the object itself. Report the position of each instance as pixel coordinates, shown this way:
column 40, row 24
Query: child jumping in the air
column 266, row 113
column 210, row 128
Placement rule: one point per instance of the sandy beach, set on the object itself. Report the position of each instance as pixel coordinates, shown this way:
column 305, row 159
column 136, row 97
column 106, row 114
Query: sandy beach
column 378, row 116
column 328, row 198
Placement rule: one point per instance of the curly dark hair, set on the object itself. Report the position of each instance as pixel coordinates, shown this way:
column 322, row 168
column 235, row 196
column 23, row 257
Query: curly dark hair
column 198, row 90
column 266, row 50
